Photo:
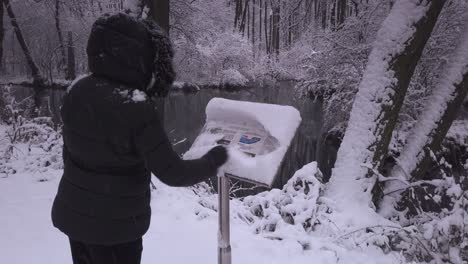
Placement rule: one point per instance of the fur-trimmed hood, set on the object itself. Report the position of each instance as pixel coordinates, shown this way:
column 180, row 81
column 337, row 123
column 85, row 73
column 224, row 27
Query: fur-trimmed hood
column 133, row 51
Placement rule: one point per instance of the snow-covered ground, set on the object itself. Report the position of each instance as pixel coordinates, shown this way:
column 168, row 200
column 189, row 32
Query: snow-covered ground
column 182, row 230
column 177, row 234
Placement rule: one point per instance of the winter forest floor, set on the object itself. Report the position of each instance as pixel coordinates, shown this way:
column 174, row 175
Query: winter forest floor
column 182, row 231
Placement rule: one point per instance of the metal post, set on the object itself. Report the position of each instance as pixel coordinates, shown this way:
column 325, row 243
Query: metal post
column 224, row 237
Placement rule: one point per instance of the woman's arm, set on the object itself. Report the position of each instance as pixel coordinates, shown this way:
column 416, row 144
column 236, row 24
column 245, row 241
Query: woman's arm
column 155, row 148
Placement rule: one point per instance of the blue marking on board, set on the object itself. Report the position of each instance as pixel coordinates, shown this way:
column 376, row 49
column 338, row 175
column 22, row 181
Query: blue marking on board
column 249, row 141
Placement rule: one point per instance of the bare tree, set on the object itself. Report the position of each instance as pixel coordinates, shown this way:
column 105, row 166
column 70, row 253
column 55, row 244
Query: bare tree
column 38, row 80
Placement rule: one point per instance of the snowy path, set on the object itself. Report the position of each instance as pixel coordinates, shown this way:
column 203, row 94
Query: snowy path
column 177, row 235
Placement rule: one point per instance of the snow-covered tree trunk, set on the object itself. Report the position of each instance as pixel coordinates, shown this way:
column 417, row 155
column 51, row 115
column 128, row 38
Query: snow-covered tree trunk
column 437, row 117
column 396, row 51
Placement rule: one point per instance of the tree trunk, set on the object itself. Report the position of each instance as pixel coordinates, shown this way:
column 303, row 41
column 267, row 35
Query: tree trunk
column 396, row 51
column 277, row 29
column 317, row 11
column 290, row 24
column 237, row 14
column 272, row 35
column 240, row 13
column 267, row 46
column 244, row 15
column 21, row 40
column 273, row 29
column 13, row 53
column 324, row 7
column 342, row 4
column 38, row 80
column 248, row 22
column 2, row 36
column 333, row 21
column 437, row 117
column 403, row 66
column 260, row 23
column 253, row 22
column 159, row 11
column 60, row 37
column 71, row 72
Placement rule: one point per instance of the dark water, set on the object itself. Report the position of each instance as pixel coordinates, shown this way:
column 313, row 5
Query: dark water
column 185, row 117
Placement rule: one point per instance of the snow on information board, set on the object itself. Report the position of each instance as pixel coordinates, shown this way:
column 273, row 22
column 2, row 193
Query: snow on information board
column 256, row 135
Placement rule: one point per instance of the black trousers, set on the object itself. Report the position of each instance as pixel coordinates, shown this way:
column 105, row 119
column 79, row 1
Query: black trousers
column 127, row 253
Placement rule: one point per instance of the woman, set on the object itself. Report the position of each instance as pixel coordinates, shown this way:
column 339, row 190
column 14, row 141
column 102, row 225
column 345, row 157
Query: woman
column 113, row 140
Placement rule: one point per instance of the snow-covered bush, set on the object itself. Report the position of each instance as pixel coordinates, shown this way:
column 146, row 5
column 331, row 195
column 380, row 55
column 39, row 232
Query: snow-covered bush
column 204, row 43
column 10, row 109
column 436, row 237
column 433, row 212
column 287, row 212
column 31, row 143
column 233, row 77
column 17, row 116
column 35, row 143
column 215, row 61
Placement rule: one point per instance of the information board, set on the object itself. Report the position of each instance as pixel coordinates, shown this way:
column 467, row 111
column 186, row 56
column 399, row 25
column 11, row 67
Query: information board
column 257, row 136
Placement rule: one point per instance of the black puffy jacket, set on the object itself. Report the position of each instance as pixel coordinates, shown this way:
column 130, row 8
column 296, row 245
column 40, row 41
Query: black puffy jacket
column 113, row 140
